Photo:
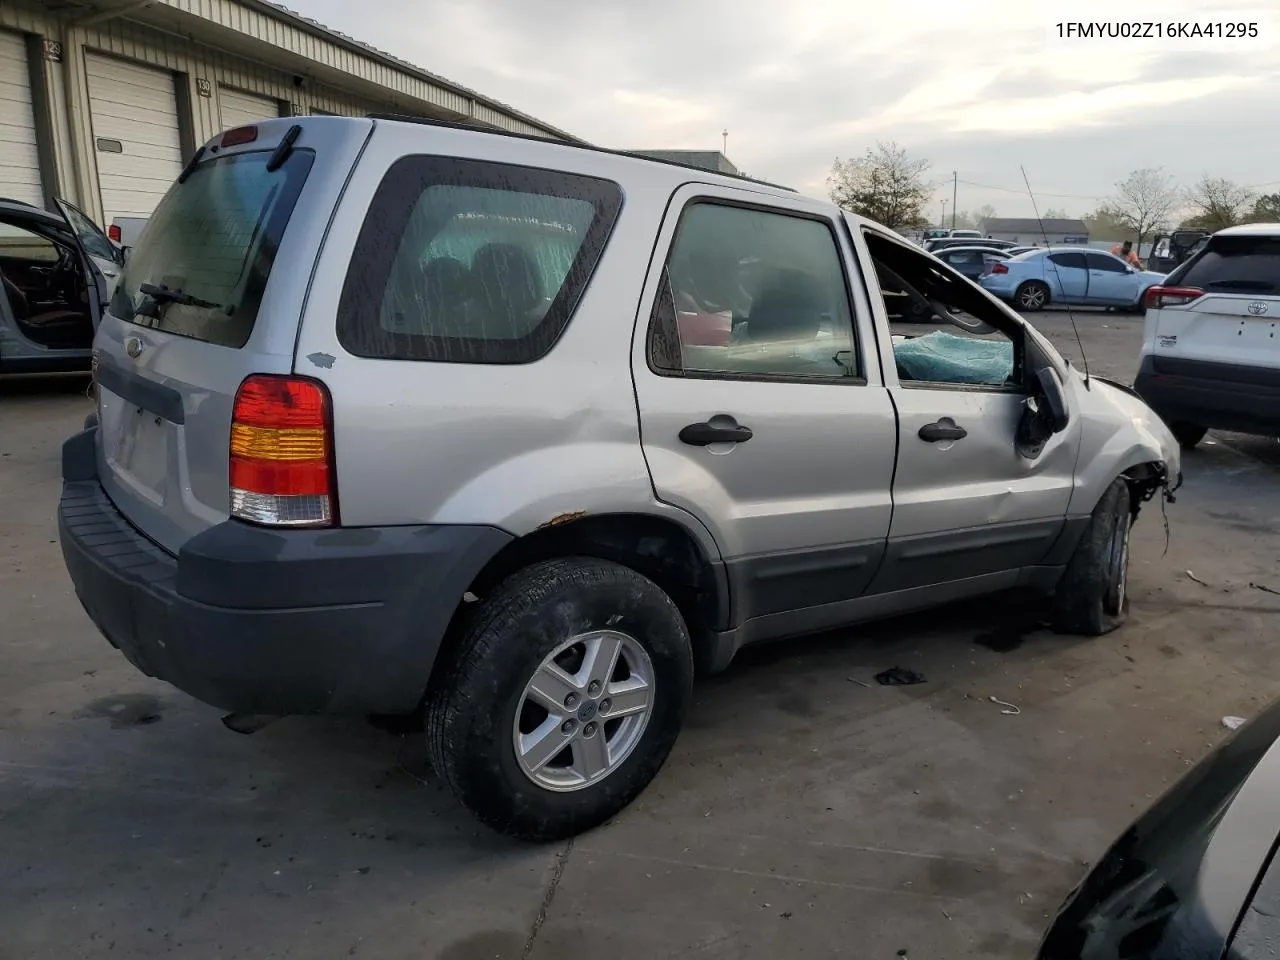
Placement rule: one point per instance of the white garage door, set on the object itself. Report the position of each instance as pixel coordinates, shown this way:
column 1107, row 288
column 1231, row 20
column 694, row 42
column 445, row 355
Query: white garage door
column 135, row 132
column 19, row 162
column 240, row 109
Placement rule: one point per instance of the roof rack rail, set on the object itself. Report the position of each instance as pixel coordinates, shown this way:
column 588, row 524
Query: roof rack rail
column 495, row 131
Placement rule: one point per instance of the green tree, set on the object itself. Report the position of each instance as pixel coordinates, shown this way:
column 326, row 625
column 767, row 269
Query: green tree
column 1105, row 223
column 1055, row 213
column 1266, row 209
column 885, row 185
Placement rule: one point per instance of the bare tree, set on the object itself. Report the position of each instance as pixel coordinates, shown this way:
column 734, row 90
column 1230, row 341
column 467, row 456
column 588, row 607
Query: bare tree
column 1055, row 213
column 1144, row 201
column 884, row 185
column 982, row 215
column 1218, row 202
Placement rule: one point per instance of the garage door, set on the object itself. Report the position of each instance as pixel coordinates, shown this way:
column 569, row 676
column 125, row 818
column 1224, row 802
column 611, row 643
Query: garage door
column 19, row 162
column 135, row 132
column 240, row 109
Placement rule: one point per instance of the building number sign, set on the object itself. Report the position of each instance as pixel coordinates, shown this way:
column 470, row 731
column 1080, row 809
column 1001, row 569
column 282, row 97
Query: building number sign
column 203, row 87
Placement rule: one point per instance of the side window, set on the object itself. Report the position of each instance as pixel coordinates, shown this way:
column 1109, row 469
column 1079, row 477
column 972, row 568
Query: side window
column 1098, row 261
column 752, row 293
column 467, row 261
column 968, row 342
column 19, row 244
column 1074, row 260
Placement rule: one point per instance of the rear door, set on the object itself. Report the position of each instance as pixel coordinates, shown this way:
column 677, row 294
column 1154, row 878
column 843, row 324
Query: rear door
column 781, row 440
column 1068, row 276
column 1110, row 281
column 1236, row 319
column 211, row 294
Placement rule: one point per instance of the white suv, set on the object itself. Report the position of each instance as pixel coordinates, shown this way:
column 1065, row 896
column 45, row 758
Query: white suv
column 1210, row 351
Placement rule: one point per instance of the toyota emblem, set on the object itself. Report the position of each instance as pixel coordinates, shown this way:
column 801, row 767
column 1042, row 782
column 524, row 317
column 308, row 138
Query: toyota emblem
column 1258, row 308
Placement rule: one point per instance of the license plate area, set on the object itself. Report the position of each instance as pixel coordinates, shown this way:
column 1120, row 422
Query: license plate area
column 138, row 449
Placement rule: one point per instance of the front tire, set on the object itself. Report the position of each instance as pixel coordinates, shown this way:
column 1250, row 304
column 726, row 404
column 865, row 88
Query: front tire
column 1092, row 597
column 1032, row 296
column 562, row 699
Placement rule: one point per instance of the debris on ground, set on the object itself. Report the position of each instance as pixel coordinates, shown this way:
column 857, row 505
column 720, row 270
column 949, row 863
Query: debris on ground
column 1195, row 578
column 1264, row 588
column 1233, row 723
column 861, row 683
column 1013, row 710
column 898, row 677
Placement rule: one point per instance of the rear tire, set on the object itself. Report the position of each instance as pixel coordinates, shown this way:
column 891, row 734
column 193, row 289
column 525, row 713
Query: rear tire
column 486, row 717
column 1187, row 434
column 1092, row 597
column 1032, row 296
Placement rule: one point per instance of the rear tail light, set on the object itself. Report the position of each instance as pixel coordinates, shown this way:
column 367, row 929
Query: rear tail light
column 999, row 268
column 1158, row 297
column 113, row 232
column 282, row 453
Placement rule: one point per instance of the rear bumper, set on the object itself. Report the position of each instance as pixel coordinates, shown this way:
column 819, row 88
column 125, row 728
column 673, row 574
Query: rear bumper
column 266, row 621
column 1219, row 395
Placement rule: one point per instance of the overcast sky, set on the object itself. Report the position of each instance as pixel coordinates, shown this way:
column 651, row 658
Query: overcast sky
column 975, row 86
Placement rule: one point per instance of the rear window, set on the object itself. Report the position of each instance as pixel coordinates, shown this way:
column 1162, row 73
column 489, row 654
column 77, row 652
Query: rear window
column 466, row 261
column 200, row 268
column 1233, row 264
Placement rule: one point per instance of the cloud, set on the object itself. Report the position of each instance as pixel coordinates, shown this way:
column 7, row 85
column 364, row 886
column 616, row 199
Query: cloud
column 969, row 86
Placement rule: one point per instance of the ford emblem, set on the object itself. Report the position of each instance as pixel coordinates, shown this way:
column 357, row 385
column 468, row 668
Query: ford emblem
column 133, row 346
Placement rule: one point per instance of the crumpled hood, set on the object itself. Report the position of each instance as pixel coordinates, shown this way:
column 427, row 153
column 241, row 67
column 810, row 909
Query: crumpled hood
column 1127, row 401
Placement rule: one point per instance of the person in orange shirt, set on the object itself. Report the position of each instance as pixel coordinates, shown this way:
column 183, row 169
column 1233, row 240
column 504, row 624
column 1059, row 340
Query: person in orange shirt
column 1126, row 252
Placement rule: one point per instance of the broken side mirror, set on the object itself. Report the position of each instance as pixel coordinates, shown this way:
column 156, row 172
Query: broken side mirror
column 1044, row 413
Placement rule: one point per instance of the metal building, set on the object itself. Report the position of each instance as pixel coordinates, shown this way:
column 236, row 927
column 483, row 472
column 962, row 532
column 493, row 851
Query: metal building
column 101, row 100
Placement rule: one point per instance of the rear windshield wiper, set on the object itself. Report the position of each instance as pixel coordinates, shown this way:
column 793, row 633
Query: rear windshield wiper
column 166, row 295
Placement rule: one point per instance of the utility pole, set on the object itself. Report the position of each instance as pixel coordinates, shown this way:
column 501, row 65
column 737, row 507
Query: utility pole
column 943, row 222
column 955, row 180
column 724, row 140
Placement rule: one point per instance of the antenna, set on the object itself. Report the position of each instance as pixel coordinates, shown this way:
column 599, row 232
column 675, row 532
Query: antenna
column 1049, row 257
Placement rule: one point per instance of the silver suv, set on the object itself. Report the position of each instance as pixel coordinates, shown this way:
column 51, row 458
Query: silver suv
column 395, row 414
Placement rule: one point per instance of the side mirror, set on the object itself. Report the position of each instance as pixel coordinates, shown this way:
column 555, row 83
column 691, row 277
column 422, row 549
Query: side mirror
column 124, row 254
column 1043, row 414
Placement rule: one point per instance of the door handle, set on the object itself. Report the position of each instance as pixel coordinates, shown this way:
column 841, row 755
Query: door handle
column 944, row 429
column 722, row 429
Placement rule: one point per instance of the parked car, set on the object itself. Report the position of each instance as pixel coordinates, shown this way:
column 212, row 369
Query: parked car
column 972, row 262
column 967, row 234
column 403, row 447
column 1210, row 356
column 943, row 243
column 1031, row 281
column 1171, row 250
column 56, row 272
column 125, row 231
column 1196, row 876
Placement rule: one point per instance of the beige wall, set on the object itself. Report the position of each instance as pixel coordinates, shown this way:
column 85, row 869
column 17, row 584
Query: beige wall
column 69, row 130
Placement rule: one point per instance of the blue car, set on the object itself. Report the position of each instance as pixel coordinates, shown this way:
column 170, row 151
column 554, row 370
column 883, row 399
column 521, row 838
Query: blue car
column 1075, row 275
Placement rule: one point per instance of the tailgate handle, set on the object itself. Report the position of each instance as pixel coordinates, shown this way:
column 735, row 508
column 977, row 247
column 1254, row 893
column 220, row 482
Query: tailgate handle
column 155, row 398
column 944, row 429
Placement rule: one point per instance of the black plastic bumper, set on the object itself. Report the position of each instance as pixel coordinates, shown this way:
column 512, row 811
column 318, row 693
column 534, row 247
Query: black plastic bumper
column 268, row 621
column 1219, row 395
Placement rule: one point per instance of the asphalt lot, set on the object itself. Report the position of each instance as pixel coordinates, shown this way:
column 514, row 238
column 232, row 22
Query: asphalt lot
column 803, row 813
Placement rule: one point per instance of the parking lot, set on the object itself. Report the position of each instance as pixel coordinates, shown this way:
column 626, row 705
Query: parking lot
column 806, row 811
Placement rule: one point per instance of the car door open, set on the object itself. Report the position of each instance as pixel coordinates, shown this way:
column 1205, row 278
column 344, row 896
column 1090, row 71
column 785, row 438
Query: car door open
column 973, row 502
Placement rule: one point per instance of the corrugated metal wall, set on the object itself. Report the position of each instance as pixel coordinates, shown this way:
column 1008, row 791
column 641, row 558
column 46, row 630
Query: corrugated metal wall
column 200, row 70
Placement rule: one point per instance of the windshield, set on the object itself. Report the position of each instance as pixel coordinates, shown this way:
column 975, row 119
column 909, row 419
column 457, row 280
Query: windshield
column 200, row 268
column 92, row 239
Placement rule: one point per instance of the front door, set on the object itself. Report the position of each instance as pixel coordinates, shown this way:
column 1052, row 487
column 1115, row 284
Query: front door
column 1110, row 280
column 52, row 293
column 763, row 412
column 967, row 507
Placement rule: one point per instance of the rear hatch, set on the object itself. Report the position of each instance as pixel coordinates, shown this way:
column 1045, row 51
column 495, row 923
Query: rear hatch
column 211, row 294
column 1222, row 306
